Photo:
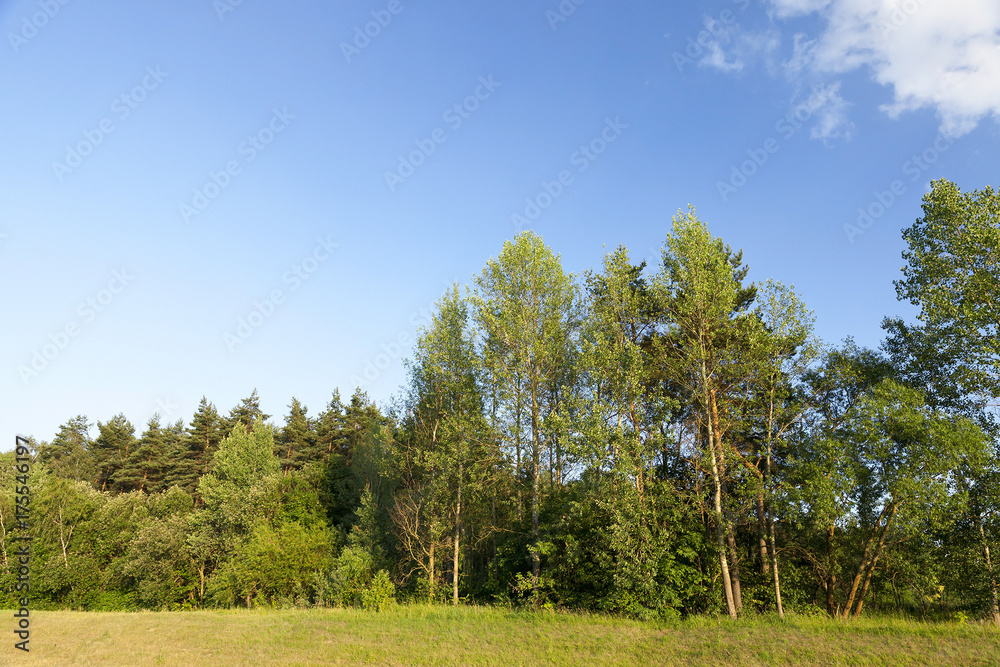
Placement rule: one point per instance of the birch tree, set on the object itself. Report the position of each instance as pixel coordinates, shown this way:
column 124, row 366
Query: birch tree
column 526, row 308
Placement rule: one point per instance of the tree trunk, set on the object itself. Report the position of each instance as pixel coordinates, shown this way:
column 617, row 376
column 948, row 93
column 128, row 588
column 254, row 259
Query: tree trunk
column 770, row 523
column 517, row 446
column 735, row 570
column 720, row 531
column 535, row 465
column 715, row 433
column 720, row 538
column 869, row 558
column 430, row 568
column 458, row 516
column 994, row 602
column 831, row 573
column 774, row 570
column 63, row 541
column 3, row 537
column 765, row 562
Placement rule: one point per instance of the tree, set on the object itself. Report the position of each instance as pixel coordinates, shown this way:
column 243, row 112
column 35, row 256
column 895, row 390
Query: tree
column 331, row 429
column 706, row 311
column 953, row 275
column 156, row 566
column 622, row 316
column 205, row 433
column 182, row 458
column 787, row 352
column 245, row 469
column 246, row 414
column 114, row 444
column 297, row 442
column 69, row 455
column 821, row 479
column 145, row 466
column 238, row 494
column 907, row 454
column 446, row 409
column 526, row 307
column 878, row 460
column 624, row 440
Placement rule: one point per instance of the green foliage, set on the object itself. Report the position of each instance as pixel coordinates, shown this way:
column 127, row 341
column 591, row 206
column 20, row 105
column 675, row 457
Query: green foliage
column 111, row 449
column 953, row 275
column 380, row 593
column 272, row 564
column 648, row 446
column 69, row 454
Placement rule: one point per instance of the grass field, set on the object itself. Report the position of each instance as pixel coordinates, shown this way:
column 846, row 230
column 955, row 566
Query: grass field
column 420, row 635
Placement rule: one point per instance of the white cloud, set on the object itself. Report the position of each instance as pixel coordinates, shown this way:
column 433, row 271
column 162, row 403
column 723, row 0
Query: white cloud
column 933, row 54
column 832, row 121
column 786, row 8
column 731, row 48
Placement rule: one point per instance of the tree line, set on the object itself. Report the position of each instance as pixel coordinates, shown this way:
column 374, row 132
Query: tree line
column 645, row 441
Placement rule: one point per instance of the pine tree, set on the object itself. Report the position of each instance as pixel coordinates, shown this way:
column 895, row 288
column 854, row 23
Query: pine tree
column 706, row 309
column 331, row 429
column 297, row 442
column 247, row 413
column 204, row 435
column 111, row 449
column 69, row 452
column 183, row 460
column 145, row 466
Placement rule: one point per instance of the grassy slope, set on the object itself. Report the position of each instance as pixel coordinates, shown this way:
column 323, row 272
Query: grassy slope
column 479, row 636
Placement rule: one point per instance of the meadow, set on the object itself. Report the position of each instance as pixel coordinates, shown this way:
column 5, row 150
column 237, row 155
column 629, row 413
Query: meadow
column 425, row 635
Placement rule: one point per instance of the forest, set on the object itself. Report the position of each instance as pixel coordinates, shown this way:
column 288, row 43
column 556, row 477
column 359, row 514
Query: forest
column 644, row 441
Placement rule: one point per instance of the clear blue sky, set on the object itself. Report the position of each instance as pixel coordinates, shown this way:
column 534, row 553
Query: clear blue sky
column 300, row 131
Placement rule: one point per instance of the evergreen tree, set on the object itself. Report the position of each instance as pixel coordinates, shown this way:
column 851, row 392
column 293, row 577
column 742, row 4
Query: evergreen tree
column 112, row 448
column 69, row 455
column 246, row 414
column 145, row 466
column 706, row 308
column 297, row 443
column 206, row 431
column 183, row 461
column 331, row 429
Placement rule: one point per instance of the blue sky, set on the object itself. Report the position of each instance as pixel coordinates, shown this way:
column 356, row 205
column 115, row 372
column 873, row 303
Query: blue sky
column 171, row 170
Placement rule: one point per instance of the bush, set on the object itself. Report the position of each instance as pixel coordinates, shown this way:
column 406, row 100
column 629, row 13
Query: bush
column 380, row 594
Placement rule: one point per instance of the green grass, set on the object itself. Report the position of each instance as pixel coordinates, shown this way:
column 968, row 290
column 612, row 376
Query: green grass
column 422, row 635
